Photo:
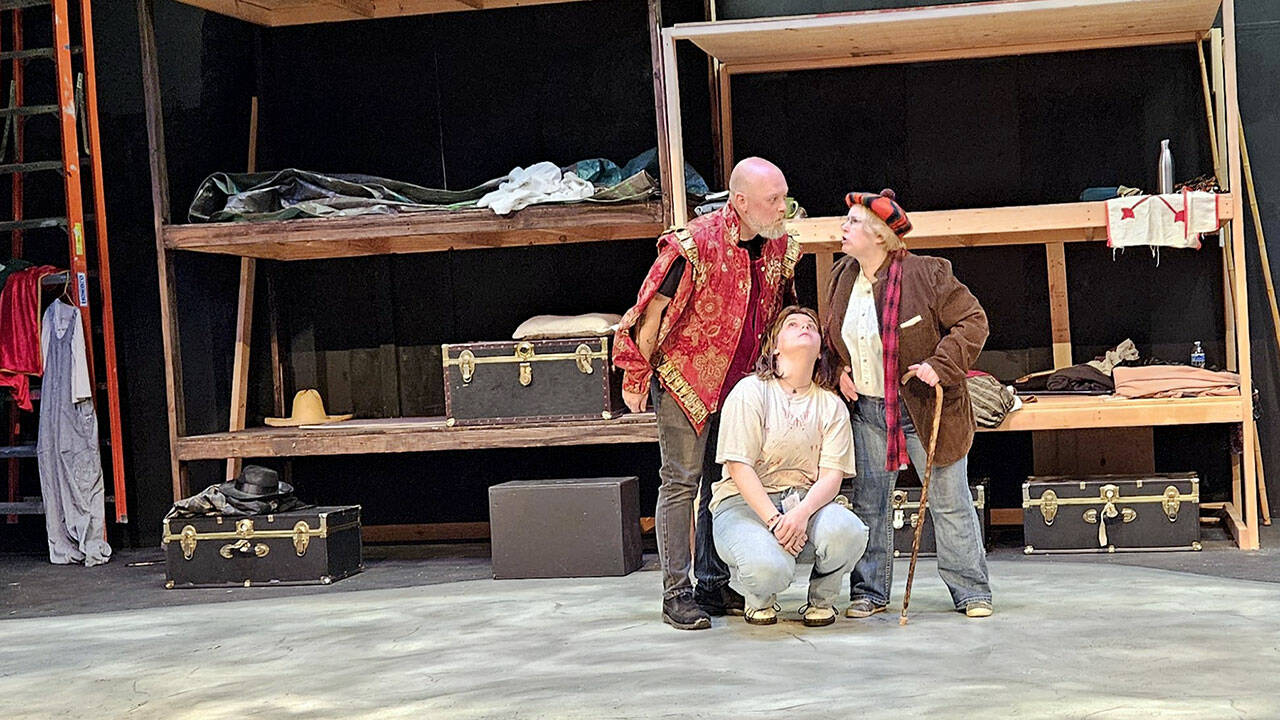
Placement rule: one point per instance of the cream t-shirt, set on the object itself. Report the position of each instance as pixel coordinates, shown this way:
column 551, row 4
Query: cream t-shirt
column 786, row 437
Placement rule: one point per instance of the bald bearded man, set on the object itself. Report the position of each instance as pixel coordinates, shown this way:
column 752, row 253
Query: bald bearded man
column 696, row 328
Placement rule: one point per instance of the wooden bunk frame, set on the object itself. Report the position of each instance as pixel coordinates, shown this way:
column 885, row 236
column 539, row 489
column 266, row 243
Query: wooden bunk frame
column 994, row 29
column 307, row 239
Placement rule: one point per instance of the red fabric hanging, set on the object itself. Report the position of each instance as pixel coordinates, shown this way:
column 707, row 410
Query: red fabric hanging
column 20, row 355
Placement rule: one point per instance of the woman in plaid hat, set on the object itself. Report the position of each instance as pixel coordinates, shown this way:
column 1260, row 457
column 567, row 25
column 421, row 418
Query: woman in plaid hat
column 888, row 312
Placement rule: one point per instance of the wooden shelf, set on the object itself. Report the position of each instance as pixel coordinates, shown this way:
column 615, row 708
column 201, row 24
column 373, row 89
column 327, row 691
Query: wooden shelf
column 1021, row 225
column 412, row 435
column 315, row 238
column 946, row 32
column 1064, row 412
column 429, row 434
column 276, row 13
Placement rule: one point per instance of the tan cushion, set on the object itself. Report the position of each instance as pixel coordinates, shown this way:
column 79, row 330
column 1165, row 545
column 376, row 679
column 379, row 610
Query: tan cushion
column 559, row 326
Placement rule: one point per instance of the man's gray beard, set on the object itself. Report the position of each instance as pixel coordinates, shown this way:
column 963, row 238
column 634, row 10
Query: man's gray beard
column 775, row 231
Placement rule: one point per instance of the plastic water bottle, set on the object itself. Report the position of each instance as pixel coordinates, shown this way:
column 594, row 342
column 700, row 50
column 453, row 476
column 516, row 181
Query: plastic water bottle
column 1164, row 170
column 1197, row 355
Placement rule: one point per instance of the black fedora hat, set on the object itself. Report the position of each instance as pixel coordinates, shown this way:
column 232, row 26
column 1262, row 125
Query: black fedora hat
column 255, row 483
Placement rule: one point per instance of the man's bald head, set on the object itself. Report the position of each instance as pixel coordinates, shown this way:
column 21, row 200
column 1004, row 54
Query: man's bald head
column 758, row 192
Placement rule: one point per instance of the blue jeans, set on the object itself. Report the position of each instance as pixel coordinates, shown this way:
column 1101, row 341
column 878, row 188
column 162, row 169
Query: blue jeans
column 962, row 560
column 762, row 568
column 688, row 469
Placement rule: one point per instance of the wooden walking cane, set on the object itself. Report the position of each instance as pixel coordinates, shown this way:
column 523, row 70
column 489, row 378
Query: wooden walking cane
column 924, row 491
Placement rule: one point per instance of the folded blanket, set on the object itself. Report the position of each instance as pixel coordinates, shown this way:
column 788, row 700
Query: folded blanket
column 1173, row 381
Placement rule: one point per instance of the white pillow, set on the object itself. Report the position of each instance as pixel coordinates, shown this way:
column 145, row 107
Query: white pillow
column 566, row 326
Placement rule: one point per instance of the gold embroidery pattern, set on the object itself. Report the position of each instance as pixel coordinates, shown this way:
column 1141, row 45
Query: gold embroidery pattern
column 792, row 257
column 690, row 249
column 683, row 391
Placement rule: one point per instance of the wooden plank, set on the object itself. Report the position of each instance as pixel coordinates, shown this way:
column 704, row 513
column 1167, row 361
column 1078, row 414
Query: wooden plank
column 1006, row 517
column 1068, row 413
column 304, row 360
column 421, row 381
column 244, row 314
column 846, row 61
column 429, row 434
column 1059, row 315
column 175, row 406
column 1093, row 451
column 425, row 532
column 278, row 13
column 983, row 29
column 724, row 116
column 659, row 104
column 679, row 205
column 1228, row 263
column 1249, row 508
column 375, row 383
column 977, row 227
column 316, row 238
column 240, row 354
column 412, row 435
column 277, row 356
column 1237, row 527
column 335, row 380
column 823, row 262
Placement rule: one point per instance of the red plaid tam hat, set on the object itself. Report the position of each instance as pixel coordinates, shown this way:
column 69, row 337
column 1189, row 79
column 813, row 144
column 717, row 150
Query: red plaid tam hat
column 885, row 206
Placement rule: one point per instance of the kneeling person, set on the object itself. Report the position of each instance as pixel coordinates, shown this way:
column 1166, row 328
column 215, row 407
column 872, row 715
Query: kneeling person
column 786, row 446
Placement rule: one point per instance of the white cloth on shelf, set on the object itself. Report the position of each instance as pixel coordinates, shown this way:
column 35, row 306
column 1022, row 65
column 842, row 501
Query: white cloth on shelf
column 538, row 183
column 1175, row 220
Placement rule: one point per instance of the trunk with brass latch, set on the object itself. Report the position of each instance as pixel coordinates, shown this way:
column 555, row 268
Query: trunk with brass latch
column 319, row 545
column 904, row 509
column 531, row 381
column 1111, row 513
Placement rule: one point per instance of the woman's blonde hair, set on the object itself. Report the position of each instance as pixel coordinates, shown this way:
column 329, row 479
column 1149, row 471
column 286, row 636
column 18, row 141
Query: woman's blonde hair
column 892, row 241
column 767, row 363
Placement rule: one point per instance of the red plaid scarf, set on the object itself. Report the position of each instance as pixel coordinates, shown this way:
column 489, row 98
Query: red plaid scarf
column 896, row 457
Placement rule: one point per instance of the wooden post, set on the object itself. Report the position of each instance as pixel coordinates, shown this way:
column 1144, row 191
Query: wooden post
column 714, row 71
column 675, row 136
column 726, row 123
column 1059, row 318
column 823, row 262
column 244, row 315
column 660, row 99
column 1208, row 112
column 176, row 406
column 1248, row 537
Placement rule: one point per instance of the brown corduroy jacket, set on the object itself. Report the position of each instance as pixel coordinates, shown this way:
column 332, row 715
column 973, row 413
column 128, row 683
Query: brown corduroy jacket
column 949, row 335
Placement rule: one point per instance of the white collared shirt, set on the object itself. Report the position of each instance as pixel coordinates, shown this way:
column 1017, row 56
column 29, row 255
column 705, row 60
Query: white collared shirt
column 861, row 335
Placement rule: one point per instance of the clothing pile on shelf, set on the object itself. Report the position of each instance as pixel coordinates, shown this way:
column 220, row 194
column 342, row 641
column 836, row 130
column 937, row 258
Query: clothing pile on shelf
column 292, row 193
column 1121, row 371
column 52, row 347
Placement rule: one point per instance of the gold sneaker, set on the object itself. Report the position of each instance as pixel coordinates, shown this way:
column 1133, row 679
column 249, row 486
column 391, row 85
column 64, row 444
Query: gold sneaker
column 761, row 616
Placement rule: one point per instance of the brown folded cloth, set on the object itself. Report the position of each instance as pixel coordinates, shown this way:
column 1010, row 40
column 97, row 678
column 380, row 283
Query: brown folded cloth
column 1171, row 381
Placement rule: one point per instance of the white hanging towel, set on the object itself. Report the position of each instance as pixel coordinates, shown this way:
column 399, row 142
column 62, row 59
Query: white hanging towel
column 1175, row 220
column 538, row 183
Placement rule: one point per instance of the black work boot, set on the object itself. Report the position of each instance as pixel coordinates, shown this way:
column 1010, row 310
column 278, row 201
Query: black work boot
column 724, row 600
column 683, row 613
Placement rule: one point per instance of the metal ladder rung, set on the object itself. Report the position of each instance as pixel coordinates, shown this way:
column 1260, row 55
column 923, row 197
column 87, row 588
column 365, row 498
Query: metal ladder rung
column 35, row 224
column 35, row 53
column 17, row 451
column 30, row 110
column 34, row 507
column 26, row 167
